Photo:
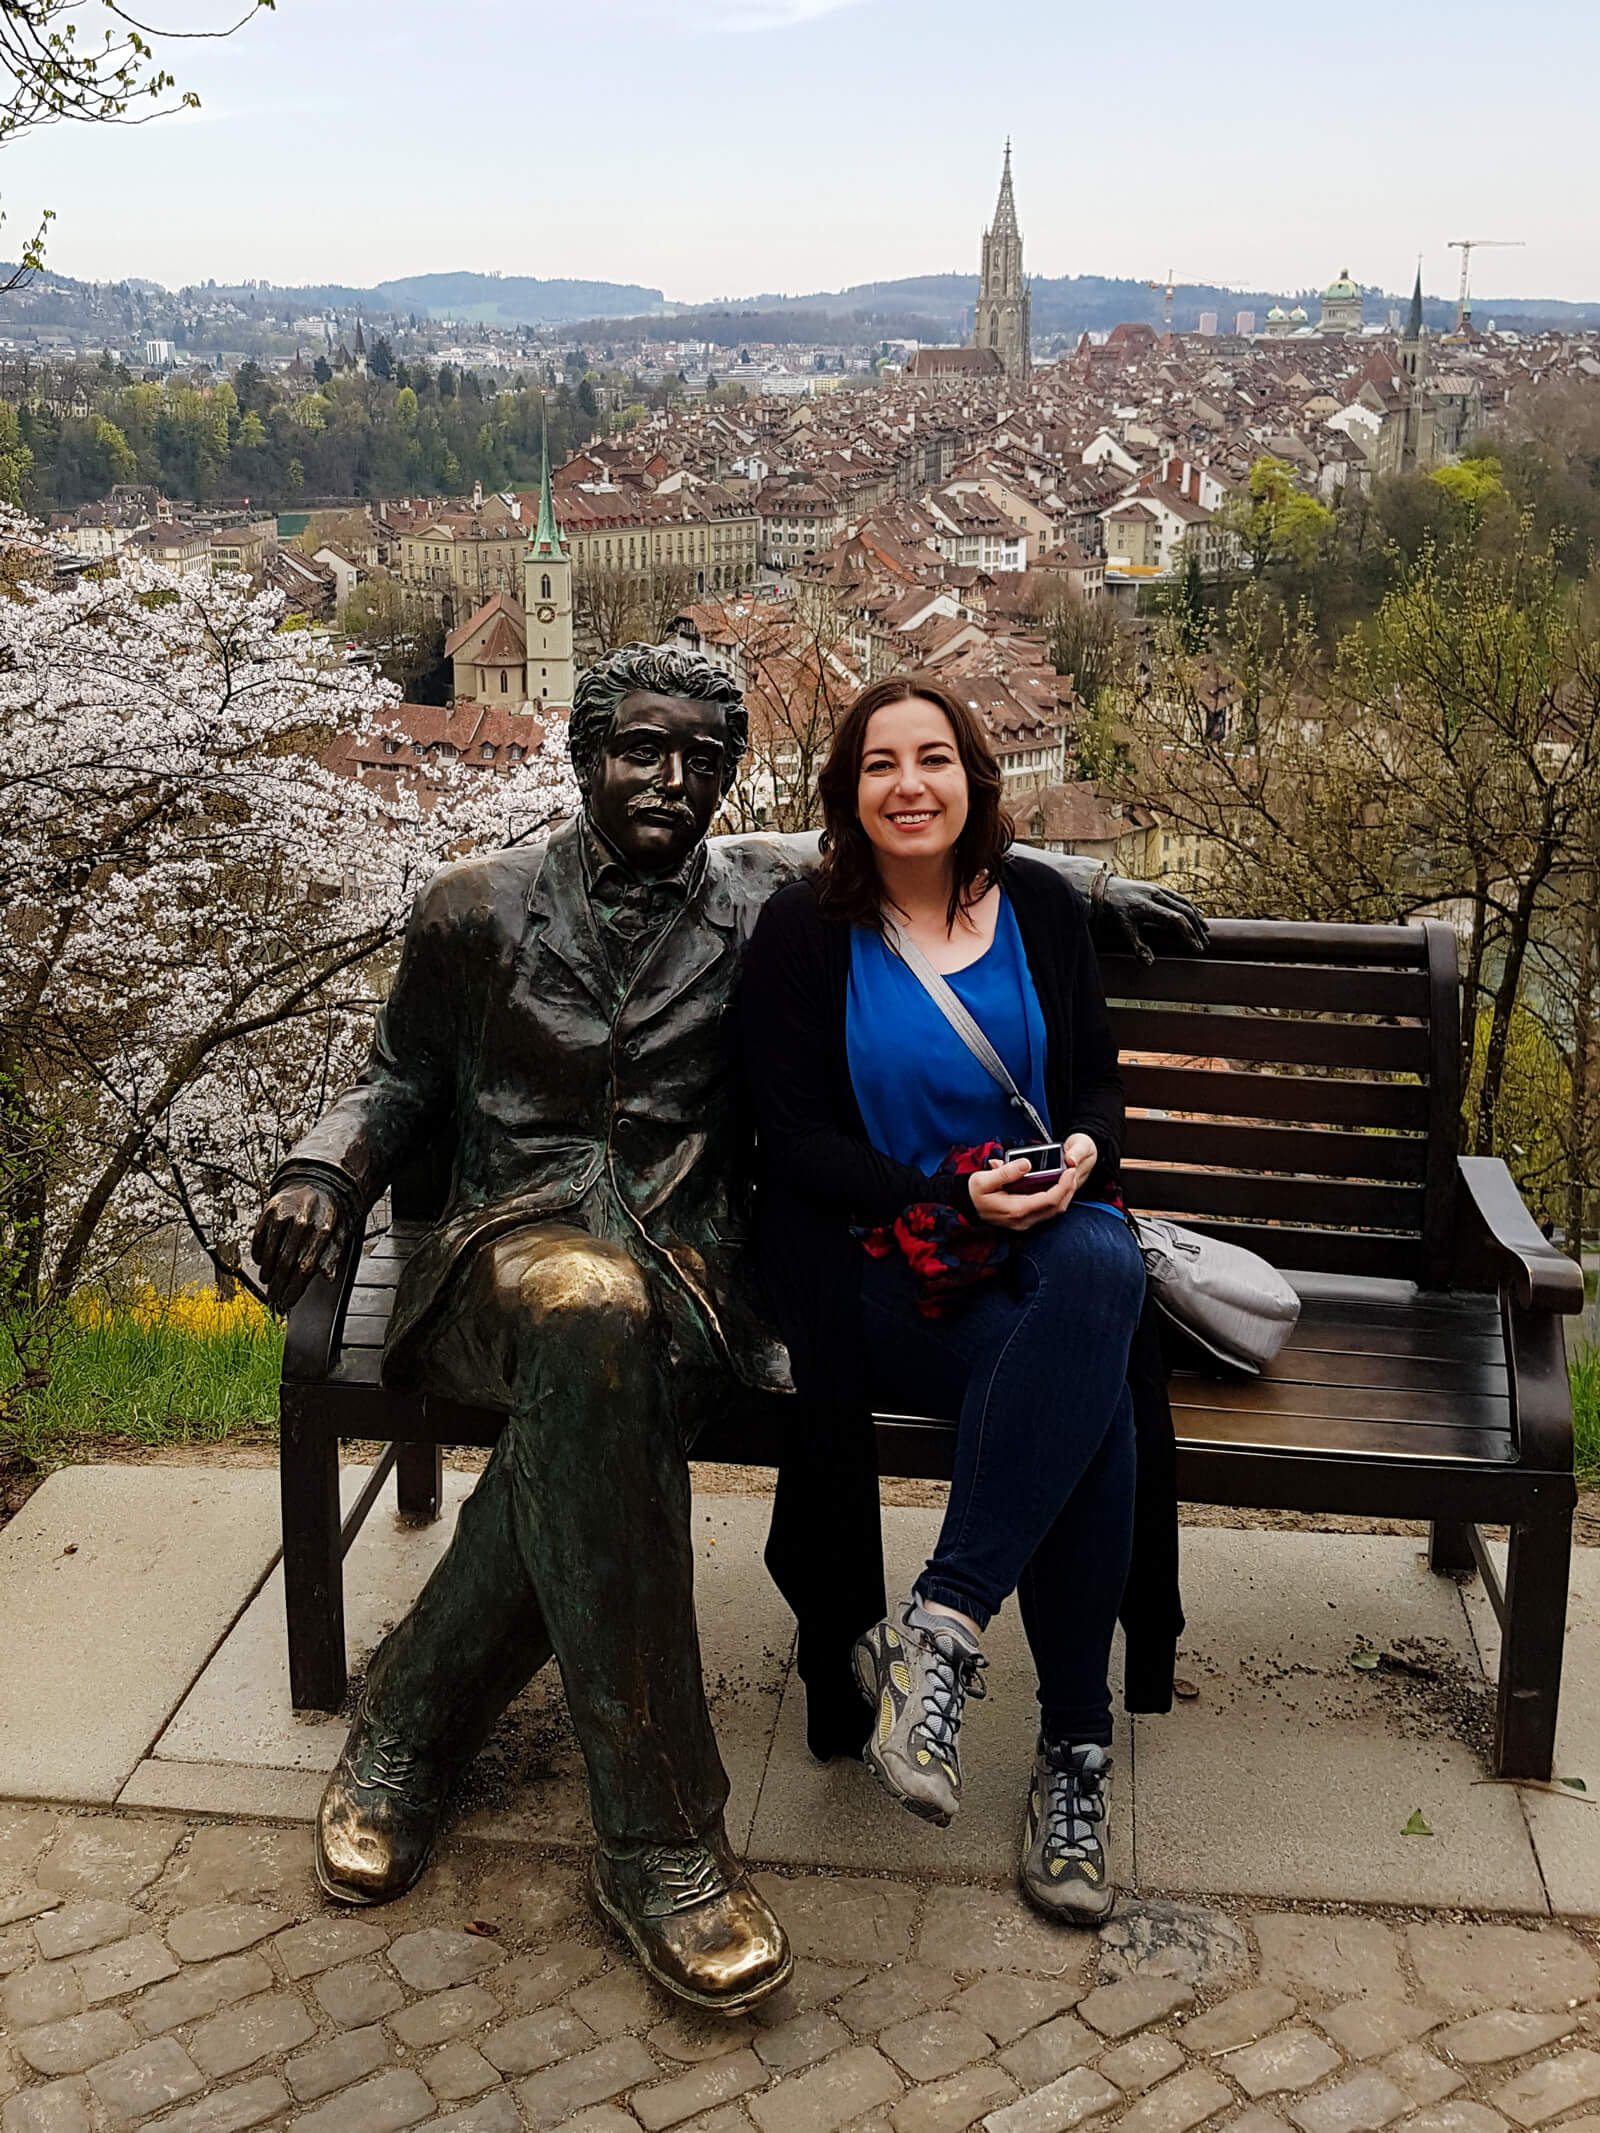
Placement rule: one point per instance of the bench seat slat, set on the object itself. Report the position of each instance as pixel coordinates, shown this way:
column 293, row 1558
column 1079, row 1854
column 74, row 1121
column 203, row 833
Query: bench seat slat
column 1354, row 1437
column 1386, row 1343
column 1295, row 1365
column 1401, row 1410
column 1313, row 1100
column 366, row 1329
column 357, row 1366
column 1326, row 1301
column 1310, row 987
column 1283, row 1039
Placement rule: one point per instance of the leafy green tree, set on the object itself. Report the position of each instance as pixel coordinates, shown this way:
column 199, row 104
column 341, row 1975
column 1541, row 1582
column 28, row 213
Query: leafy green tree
column 1186, row 606
column 1275, row 520
column 92, row 455
column 16, row 461
column 381, row 360
column 447, row 382
column 322, row 371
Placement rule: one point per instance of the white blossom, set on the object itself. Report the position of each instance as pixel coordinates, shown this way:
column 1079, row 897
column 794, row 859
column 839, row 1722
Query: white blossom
column 196, row 911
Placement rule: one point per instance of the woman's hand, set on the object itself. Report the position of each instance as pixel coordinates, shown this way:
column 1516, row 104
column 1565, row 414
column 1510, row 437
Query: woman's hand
column 994, row 1200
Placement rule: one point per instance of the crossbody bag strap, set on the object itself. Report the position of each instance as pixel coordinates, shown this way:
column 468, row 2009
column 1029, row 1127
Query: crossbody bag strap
column 955, row 1013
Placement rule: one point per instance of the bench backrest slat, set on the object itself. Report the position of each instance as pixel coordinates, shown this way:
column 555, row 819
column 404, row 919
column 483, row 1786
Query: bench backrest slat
column 1399, row 1159
column 1222, row 982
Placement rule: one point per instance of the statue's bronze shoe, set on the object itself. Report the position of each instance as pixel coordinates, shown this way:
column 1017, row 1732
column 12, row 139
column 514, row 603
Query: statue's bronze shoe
column 695, row 1923
column 378, row 1817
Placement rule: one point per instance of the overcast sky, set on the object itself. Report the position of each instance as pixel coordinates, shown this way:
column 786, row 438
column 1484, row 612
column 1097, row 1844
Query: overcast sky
column 728, row 147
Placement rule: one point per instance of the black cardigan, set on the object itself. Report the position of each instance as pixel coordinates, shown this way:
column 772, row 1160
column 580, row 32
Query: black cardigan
column 819, row 1175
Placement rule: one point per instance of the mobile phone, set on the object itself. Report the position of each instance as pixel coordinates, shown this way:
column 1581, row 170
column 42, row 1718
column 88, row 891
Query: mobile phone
column 1045, row 1165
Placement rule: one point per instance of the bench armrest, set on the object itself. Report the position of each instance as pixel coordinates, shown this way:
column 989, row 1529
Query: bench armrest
column 1503, row 1240
column 315, row 1325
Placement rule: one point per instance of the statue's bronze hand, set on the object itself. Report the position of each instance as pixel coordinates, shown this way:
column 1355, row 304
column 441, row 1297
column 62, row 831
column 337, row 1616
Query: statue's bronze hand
column 1144, row 918
column 299, row 1235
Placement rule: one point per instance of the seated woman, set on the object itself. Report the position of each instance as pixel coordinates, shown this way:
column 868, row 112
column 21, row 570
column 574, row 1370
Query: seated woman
column 909, row 1267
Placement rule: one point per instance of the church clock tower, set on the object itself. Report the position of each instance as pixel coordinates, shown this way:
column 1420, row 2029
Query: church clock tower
column 547, row 603
column 1004, row 320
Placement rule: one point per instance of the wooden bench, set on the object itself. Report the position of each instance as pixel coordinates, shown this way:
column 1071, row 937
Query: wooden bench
column 1298, row 1090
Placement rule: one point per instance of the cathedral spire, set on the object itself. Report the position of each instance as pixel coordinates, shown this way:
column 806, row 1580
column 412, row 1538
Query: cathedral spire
column 1005, row 214
column 1414, row 322
column 1003, row 322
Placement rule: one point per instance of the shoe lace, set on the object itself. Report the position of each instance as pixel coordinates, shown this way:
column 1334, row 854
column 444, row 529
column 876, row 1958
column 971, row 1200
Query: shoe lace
column 678, row 1877
column 953, row 1675
column 1075, row 1803
column 387, row 1762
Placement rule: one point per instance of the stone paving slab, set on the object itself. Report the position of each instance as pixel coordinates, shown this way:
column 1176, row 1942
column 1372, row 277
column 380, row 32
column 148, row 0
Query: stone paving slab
column 238, row 1711
column 116, row 1583
column 812, row 1814
column 1565, row 1830
column 1295, row 1773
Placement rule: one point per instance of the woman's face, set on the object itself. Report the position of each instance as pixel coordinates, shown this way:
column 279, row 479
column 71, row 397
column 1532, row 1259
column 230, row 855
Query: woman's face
column 912, row 791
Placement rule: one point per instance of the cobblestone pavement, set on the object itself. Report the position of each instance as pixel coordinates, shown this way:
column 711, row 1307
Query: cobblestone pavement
column 189, row 1979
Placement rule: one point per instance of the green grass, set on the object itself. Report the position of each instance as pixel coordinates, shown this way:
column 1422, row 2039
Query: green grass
column 1584, row 1371
column 129, row 1380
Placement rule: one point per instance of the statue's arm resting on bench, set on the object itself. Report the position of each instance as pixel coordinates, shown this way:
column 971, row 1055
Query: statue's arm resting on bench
column 320, row 1194
column 1126, row 917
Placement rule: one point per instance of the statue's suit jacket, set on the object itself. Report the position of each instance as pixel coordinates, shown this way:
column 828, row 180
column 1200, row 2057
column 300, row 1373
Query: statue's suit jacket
column 566, row 1094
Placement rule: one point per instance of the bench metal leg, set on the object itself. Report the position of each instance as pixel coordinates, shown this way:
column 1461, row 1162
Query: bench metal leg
column 1533, row 1636
column 1450, row 1549
column 313, row 1563
column 419, row 1480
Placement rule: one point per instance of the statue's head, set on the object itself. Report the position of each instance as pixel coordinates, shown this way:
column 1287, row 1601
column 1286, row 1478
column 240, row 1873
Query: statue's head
column 656, row 735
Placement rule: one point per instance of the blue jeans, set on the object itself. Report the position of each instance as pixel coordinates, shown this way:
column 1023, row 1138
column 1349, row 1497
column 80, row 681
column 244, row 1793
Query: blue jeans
column 1035, row 1364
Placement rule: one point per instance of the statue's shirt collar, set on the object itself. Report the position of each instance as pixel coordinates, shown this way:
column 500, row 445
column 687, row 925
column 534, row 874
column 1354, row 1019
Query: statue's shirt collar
column 630, row 909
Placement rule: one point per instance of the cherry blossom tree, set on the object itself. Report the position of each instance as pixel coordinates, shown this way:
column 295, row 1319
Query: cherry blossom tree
column 195, row 911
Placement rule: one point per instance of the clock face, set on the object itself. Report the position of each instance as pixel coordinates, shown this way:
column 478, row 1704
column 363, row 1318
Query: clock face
column 547, row 614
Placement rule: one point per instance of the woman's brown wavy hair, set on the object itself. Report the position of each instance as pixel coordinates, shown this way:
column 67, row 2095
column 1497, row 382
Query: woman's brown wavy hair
column 847, row 881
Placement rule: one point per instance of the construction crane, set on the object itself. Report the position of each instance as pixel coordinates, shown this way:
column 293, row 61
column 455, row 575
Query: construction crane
column 1168, row 286
column 1194, row 282
column 1466, row 246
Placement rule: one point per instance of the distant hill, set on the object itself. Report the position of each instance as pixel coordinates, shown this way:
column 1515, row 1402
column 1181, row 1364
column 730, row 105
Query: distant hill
column 922, row 307
column 478, row 299
column 1094, row 303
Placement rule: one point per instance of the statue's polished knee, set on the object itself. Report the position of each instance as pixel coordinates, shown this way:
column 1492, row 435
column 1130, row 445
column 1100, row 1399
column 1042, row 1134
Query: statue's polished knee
column 563, row 1281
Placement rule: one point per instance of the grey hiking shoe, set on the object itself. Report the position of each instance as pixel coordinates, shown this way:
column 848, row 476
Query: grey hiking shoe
column 917, row 1671
column 1064, row 1868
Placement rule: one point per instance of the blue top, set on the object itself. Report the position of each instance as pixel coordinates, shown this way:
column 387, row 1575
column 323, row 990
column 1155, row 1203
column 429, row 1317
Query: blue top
column 920, row 1090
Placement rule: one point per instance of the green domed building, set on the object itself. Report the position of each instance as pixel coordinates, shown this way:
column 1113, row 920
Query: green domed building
column 1341, row 306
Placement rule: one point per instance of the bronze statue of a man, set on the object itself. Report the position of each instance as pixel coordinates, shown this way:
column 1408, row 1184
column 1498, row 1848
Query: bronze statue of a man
column 561, row 1014
column 561, row 1020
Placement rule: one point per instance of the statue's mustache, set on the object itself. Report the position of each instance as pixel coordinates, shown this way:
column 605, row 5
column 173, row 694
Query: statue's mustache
column 648, row 803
